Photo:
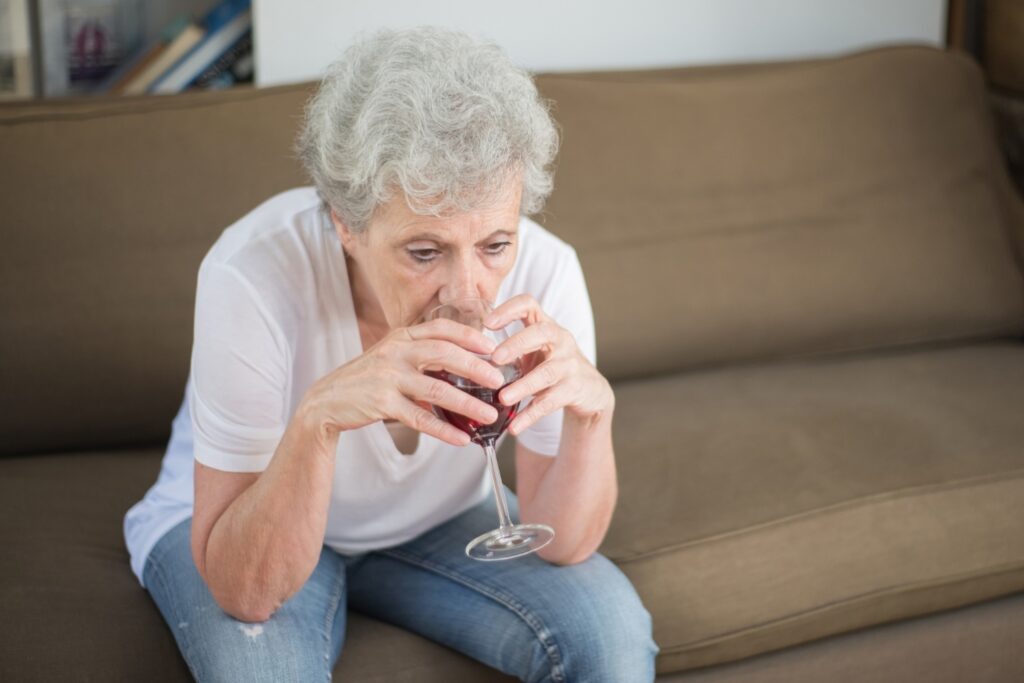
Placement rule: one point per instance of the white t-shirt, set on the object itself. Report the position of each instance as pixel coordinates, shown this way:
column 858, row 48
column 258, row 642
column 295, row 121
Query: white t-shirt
column 274, row 313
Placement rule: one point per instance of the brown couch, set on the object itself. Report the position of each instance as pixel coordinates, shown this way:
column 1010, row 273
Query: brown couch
column 808, row 280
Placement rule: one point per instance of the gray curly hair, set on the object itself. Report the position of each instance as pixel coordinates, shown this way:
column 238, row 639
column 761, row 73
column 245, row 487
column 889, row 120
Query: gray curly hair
column 441, row 117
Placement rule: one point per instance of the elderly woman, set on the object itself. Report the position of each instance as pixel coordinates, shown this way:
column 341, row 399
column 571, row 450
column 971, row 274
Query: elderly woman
column 306, row 474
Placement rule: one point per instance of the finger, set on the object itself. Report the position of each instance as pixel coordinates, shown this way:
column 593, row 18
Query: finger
column 546, row 375
column 412, row 415
column 448, row 330
column 527, row 340
column 443, row 395
column 541, row 405
column 434, row 354
column 522, row 307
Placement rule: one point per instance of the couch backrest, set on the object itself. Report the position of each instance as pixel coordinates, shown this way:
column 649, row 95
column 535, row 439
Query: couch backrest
column 737, row 214
column 108, row 207
column 721, row 214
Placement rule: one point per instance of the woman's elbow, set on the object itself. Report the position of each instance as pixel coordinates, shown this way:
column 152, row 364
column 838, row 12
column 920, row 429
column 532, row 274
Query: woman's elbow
column 245, row 610
column 244, row 605
column 563, row 557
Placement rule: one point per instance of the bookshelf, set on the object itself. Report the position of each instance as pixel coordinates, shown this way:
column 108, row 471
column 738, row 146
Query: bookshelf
column 87, row 48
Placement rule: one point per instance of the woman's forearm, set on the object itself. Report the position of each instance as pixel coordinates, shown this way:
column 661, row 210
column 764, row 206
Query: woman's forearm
column 577, row 494
column 267, row 543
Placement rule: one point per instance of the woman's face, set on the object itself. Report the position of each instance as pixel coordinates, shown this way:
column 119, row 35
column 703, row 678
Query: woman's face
column 411, row 263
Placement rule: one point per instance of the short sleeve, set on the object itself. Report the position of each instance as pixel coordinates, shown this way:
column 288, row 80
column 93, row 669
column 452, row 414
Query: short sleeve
column 565, row 300
column 240, row 374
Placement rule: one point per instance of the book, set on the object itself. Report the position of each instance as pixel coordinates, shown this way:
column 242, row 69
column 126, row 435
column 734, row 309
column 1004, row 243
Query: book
column 223, row 12
column 241, row 72
column 120, row 79
column 233, row 66
column 142, row 58
column 204, row 54
column 186, row 40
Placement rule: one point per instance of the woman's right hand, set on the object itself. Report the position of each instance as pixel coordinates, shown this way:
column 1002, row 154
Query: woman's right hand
column 388, row 382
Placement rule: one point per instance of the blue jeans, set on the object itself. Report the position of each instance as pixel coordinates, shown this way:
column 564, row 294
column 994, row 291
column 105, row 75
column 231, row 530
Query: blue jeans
column 525, row 617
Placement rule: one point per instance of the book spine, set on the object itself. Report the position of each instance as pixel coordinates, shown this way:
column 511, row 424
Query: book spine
column 224, row 63
column 204, row 53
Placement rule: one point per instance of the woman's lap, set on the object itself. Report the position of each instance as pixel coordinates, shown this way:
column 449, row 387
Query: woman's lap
column 528, row 618
column 534, row 620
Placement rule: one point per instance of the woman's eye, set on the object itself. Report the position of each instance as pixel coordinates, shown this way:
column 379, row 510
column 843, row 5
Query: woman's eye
column 497, row 248
column 424, row 255
column 428, row 255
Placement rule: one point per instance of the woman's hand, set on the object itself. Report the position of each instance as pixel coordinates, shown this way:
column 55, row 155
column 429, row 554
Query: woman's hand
column 555, row 371
column 387, row 382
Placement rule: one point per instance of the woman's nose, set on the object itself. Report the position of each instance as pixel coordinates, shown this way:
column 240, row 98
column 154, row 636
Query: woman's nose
column 463, row 283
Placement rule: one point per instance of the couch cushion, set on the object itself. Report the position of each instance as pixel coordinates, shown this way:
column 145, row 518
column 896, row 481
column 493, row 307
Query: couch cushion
column 774, row 211
column 769, row 505
column 977, row 643
column 771, row 209
column 108, row 206
column 73, row 609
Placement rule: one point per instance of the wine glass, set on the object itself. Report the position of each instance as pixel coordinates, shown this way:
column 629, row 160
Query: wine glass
column 509, row 540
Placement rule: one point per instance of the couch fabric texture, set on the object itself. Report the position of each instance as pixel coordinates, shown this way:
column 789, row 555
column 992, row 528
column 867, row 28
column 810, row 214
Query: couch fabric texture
column 808, row 282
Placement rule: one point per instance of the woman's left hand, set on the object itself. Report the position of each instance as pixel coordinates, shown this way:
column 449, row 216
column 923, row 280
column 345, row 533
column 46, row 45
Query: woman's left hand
column 554, row 370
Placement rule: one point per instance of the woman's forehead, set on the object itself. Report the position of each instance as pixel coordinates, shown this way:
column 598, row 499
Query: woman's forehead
column 401, row 223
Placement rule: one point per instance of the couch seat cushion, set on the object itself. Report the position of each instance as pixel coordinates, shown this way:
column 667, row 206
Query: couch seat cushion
column 764, row 506
column 73, row 610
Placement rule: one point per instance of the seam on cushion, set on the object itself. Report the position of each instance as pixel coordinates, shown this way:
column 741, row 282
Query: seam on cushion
column 1011, row 331
column 706, row 72
column 145, row 107
column 842, row 505
column 1007, row 568
column 542, row 633
column 932, row 345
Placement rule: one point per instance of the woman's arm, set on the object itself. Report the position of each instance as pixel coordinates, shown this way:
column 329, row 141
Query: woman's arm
column 256, row 543
column 574, row 493
column 256, row 538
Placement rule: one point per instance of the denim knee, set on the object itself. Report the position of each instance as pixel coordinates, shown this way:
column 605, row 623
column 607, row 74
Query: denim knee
column 295, row 644
column 598, row 631
column 269, row 651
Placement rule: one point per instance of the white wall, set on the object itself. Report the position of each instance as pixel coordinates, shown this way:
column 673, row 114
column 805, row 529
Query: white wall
column 296, row 39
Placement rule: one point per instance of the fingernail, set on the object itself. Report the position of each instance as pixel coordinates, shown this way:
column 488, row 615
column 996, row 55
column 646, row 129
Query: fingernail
column 491, row 320
column 498, row 380
column 506, row 398
column 494, row 414
column 498, row 356
column 490, row 345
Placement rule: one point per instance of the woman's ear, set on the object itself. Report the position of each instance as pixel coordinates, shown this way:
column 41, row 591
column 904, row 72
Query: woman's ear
column 346, row 236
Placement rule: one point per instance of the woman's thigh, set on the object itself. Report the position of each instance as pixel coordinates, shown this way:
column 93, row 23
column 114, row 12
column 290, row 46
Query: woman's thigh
column 300, row 642
column 528, row 618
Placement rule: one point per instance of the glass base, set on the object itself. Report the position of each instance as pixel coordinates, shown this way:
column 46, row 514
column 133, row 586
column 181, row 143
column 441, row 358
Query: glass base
column 509, row 543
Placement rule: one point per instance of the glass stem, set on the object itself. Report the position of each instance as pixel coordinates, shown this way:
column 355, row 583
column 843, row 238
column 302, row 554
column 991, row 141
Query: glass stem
column 499, row 489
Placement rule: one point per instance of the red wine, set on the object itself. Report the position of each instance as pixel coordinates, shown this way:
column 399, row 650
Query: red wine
column 479, row 433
